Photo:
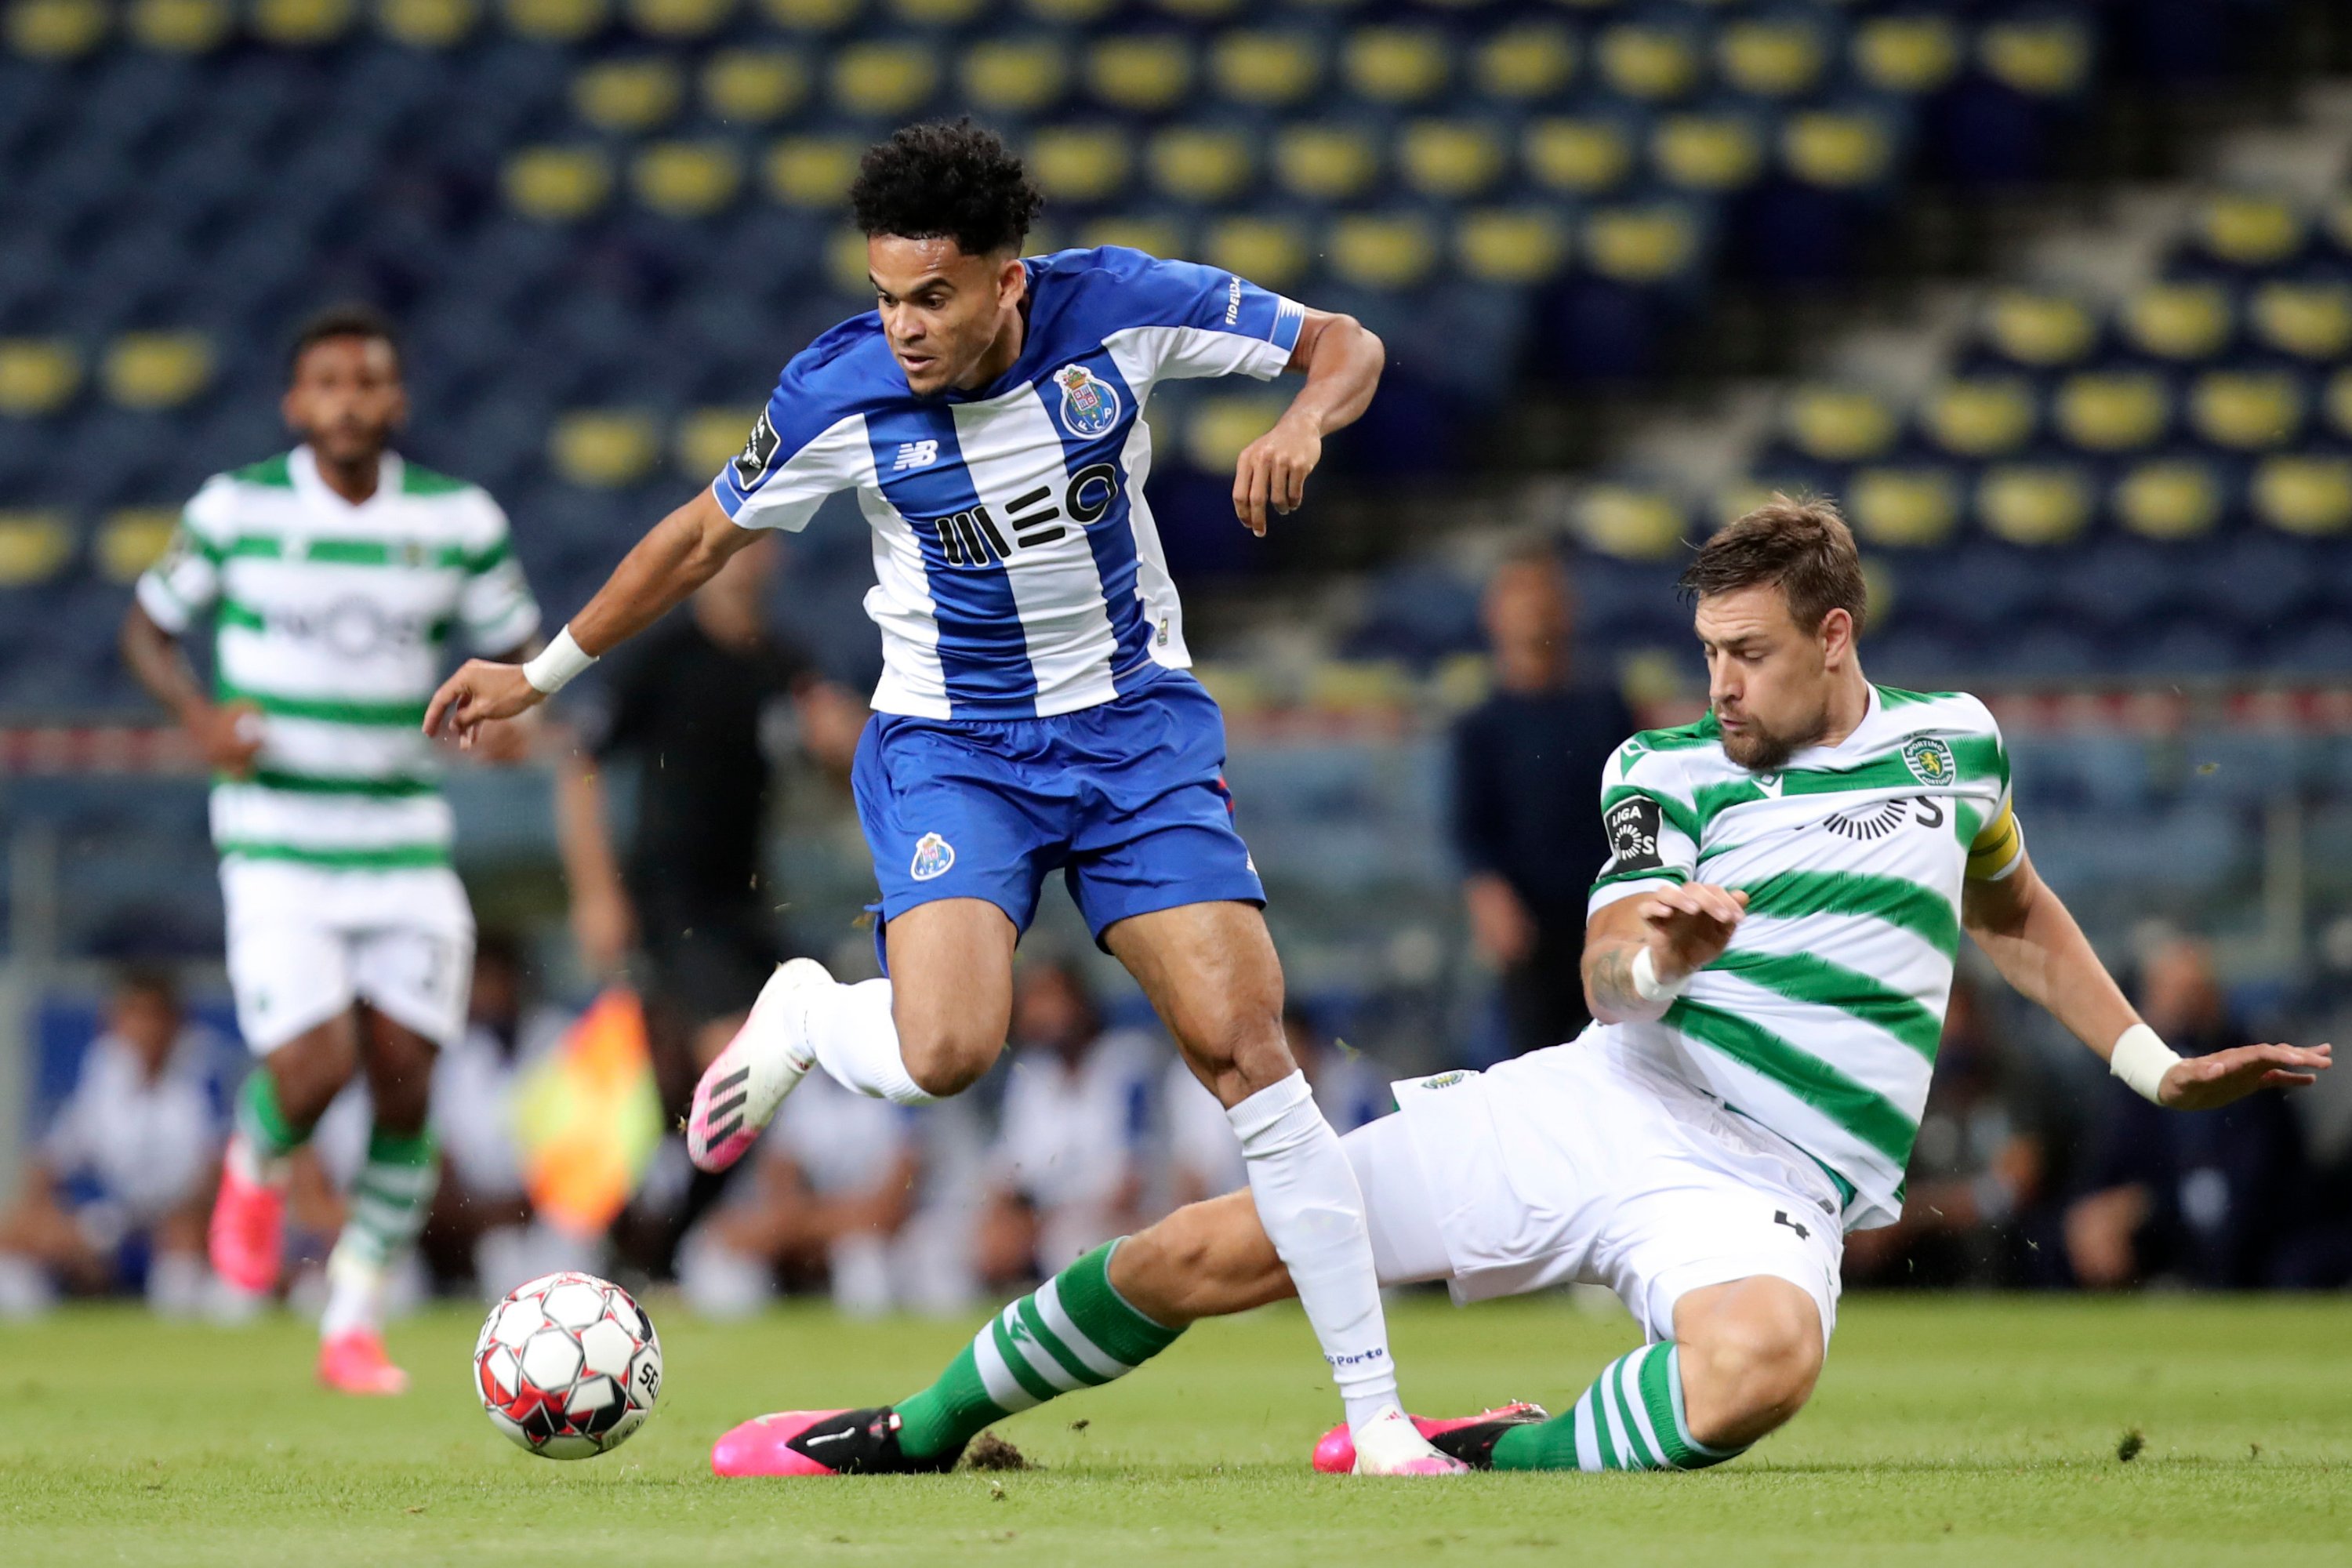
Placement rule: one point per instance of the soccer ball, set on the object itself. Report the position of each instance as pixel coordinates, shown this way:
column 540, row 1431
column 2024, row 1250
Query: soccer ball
column 568, row 1365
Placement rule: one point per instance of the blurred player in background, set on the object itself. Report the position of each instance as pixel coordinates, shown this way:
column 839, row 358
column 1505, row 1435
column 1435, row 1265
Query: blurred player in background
column 1034, row 712
column 334, row 573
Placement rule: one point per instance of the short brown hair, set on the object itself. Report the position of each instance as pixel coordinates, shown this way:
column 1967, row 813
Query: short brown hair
column 1800, row 544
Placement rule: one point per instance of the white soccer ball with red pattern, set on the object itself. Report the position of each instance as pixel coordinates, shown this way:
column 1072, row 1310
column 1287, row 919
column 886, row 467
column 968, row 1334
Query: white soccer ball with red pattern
column 568, row 1365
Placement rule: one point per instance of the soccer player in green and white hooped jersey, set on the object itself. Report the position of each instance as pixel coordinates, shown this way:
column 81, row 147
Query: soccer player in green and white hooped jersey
column 333, row 575
column 1768, row 955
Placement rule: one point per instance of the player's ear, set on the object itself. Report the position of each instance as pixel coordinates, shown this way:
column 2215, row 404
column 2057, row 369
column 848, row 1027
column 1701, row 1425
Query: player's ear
column 1837, row 637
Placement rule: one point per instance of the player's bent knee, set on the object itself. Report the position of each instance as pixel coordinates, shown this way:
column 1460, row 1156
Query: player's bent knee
column 946, row 1058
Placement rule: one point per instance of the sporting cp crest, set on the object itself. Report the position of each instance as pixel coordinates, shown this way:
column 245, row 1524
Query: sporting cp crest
column 1090, row 406
column 933, row 855
column 1930, row 760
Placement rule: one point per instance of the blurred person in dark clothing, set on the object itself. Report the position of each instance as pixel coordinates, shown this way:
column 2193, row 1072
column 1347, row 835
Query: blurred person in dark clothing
column 2207, row 1198
column 1527, row 822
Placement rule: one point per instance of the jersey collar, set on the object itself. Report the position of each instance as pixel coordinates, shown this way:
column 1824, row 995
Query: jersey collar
column 302, row 467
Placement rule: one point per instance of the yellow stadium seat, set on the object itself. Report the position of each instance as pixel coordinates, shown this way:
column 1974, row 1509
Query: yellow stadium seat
column 2247, row 410
column 1516, row 245
column 34, row 547
column 679, row 18
column 556, row 21
column 2040, row 328
column 884, row 79
column 2336, row 402
column 428, row 24
column 2046, row 57
column 157, row 370
column 1395, row 65
column 937, row 13
column 301, row 23
column 56, row 29
column 1839, row 423
column 1198, row 163
column 2312, row 320
column 708, row 438
column 1913, row 53
column 1154, row 236
column 811, row 15
column 1267, row 69
column 181, row 27
column 1015, row 75
column 556, row 184
column 1577, row 157
column 2112, row 411
column 1381, row 250
column 2035, row 503
column 1141, row 71
column 1640, row 244
column 1069, row 12
column 1324, row 162
column 2305, row 493
column 603, row 448
column 1629, row 522
column 134, row 539
column 1222, row 424
column 1771, row 56
column 814, row 170
column 686, row 179
column 1081, row 162
column 1200, row 10
column 1980, row 416
column 1903, row 508
column 844, row 263
column 629, row 94
column 2170, row 499
column 1449, row 159
column 1838, row 149
column 754, row 87
column 2177, row 321
column 1531, row 60
column 1271, row 252
column 1647, row 62
column 1707, row 152
column 38, row 375
column 2250, row 229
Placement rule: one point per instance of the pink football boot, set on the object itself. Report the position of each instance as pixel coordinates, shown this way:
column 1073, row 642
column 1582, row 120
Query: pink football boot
column 246, row 1235
column 821, row 1443
column 354, row 1362
column 1335, row 1454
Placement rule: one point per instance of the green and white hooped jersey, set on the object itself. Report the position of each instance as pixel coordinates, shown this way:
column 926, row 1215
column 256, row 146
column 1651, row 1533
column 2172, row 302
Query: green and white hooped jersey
column 1820, row 1020
column 331, row 619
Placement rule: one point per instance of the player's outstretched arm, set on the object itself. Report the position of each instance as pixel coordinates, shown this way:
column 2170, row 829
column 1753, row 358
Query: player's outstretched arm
column 1341, row 358
column 1638, row 952
column 228, row 733
column 682, row 551
column 2032, row 938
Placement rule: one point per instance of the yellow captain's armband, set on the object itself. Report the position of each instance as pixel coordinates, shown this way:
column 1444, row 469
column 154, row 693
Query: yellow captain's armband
column 1994, row 853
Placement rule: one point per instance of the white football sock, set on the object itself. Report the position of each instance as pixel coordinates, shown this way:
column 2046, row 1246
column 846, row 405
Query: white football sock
column 855, row 1038
column 1313, row 1212
column 355, row 1288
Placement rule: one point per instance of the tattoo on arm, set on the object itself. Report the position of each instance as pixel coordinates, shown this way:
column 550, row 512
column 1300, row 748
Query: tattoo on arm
column 1609, row 979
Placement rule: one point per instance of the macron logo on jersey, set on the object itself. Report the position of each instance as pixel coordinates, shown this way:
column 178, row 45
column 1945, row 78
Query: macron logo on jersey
column 916, row 454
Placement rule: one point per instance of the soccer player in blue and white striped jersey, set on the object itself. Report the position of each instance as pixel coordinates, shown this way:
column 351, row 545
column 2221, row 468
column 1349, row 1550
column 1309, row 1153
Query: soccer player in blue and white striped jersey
column 1035, row 713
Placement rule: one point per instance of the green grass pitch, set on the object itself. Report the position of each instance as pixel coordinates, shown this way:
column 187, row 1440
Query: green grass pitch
column 1951, row 1431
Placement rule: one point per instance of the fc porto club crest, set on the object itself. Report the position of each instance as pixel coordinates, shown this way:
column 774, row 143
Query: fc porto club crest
column 1930, row 760
column 1089, row 404
column 933, row 855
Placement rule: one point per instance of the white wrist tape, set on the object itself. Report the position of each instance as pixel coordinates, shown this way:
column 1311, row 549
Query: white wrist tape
column 2141, row 1059
column 557, row 664
column 1646, row 984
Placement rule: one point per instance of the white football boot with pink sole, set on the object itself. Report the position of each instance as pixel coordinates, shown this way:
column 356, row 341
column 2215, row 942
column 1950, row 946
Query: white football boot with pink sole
column 767, row 1058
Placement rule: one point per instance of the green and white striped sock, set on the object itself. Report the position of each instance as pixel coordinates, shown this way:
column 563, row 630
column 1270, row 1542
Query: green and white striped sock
column 1074, row 1331
column 266, row 1132
column 1630, row 1419
column 388, row 1205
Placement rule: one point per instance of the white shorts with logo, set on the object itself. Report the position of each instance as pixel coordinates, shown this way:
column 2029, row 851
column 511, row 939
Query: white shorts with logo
column 305, row 942
column 1584, row 1164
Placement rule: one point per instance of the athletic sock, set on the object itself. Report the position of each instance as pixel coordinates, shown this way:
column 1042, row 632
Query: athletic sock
column 1073, row 1332
column 388, row 1205
column 1630, row 1419
column 1313, row 1212
column 855, row 1040
column 265, row 1134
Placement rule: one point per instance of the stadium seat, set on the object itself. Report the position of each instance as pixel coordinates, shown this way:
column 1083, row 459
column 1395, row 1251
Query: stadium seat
column 1838, row 149
column 1449, row 160
column 1324, row 161
column 428, row 24
column 2247, row 410
column 686, row 179
column 2035, row 504
column 1911, row 53
column 2043, row 56
column 1160, row 236
column 1200, row 162
column 1771, row 56
column 2336, row 404
column 1392, row 65
column 181, row 27
column 1981, row 416
column 301, row 23
column 555, row 21
column 2037, row 329
column 1526, row 63
column 937, row 13
column 1651, row 242
column 1577, row 156
column 2249, row 230
column 2305, row 494
column 1222, row 423
column 706, row 439
column 844, row 263
column 884, row 80
column 603, row 450
column 1706, row 152
column 1267, row 69
column 629, row 95
column 1512, row 246
column 56, row 29
column 1081, row 162
column 157, row 370
column 1839, row 423
column 132, row 539
column 813, row 171
column 2309, row 320
column 1906, row 507
column 558, row 184
column 1381, row 250
column 35, row 547
column 2170, row 499
column 1015, row 75
column 678, row 19
column 755, row 86
column 2177, row 321
column 1140, row 72
column 1642, row 60
column 811, row 15
column 2112, row 411
column 38, row 375
column 1630, row 523
column 1268, row 251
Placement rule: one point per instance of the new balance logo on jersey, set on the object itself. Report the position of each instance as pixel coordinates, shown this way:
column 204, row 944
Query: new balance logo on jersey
column 916, row 454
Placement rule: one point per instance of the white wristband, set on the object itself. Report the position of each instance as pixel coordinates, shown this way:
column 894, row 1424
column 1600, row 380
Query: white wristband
column 557, row 664
column 2141, row 1058
column 1646, row 984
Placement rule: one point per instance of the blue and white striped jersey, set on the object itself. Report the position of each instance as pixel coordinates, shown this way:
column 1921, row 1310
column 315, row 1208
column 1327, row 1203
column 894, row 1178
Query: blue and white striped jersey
column 1017, row 570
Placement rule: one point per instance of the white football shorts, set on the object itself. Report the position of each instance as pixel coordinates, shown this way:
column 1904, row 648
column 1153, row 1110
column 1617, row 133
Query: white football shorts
column 1586, row 1165
column 306, row 942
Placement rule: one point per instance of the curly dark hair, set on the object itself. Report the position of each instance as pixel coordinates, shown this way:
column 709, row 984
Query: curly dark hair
column 957, row 181
column 346, row 321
